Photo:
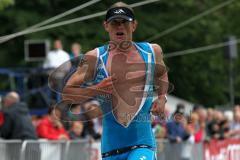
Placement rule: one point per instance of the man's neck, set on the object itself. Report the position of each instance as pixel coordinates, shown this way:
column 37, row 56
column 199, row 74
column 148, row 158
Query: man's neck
column 124, row 47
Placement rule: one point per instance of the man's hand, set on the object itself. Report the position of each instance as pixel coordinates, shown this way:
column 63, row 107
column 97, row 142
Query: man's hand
column 58, row 124
column 106, row 85
column 158, row 107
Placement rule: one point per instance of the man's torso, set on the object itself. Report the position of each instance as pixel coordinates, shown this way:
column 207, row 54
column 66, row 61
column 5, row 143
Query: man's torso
column 130, row 71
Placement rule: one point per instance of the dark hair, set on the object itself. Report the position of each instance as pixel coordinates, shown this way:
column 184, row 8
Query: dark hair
column 53, row 107
column 196, row 107
column 180, row 106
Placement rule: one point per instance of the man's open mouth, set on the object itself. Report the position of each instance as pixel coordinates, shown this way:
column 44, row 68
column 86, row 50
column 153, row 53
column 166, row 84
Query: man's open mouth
column 119, row 33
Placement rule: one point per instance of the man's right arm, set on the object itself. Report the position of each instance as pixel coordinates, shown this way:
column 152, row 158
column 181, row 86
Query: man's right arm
column 74, row 93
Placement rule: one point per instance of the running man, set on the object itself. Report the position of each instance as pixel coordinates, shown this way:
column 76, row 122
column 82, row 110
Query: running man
column 123, row 75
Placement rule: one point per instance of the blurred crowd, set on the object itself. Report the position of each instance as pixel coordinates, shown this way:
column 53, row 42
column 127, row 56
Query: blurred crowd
column 201, row 124
column 61, row 123
column 84, row 122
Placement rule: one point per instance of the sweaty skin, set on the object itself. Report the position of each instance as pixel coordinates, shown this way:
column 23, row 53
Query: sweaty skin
column 129, row 70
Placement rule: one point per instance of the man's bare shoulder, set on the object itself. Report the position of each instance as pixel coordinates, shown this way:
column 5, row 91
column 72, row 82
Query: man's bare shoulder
column 157, row 48
column 89, row 58
column 158, row 51
column 92, row 53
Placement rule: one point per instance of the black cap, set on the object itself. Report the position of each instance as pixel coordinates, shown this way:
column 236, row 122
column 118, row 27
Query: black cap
column 119, row 12
column 180, row 111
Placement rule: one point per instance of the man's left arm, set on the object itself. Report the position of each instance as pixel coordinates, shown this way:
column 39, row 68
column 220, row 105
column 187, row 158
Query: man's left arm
column 160, row 81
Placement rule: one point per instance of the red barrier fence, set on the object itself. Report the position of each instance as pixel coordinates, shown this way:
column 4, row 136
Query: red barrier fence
column 222, row 150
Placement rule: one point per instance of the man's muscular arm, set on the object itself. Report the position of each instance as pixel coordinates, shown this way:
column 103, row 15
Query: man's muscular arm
column 85, row 72
column 160, row 81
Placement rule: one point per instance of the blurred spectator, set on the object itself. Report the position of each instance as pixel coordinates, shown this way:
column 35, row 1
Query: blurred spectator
column 224, row 129
column 192, row 126
column 75, row 54
column 235, row 125
column 213, row 127
column 59, row 60
column 50, row 127
column 200, row 135
column 92, row 111
column 75, row 50
column 56, row 57
column 202, row 114
column 176, row 128
column 219, row 127
column 16, row 121
column 180, row 108
column 76, row 130
column 35, row 120
column 210, row 113
column 73, row 113
column 97, row 125
column 229, row 115
column 236, row 108
column 76, row 112
column 196, row 107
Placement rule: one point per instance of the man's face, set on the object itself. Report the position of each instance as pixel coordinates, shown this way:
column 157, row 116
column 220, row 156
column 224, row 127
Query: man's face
column 6, row 103
column 75, row 50
column 120, row 29
column 179, row 117
column 78, row 128
column 57, row 44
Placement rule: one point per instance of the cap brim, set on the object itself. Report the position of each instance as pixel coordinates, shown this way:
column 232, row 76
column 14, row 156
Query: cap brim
column 120, row 17
column 179, row 113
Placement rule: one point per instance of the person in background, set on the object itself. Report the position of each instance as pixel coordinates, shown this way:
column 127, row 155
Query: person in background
column 75, row 50
column 196, row 128
column 71, row 114
column 35, row 120
column 192, row 125
column 201, row 132
column 236, row 108
column 176, row 131
column 92, row 124
column 76, row 130
column 58, row 64
column 50, row 127
column 57, row 56
column 15, row 119
column 235, row 125
column 219, row 127
column 210, row 114
column 75, row 54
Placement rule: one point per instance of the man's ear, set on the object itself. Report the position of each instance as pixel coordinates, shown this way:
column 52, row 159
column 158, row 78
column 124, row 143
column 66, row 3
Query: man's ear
column 105, row 25
column 135, row 23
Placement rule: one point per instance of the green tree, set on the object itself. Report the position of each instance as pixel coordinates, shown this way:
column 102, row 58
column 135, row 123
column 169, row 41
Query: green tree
column 5, row 3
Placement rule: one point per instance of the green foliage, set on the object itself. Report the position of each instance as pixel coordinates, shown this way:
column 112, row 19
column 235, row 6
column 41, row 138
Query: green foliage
column 200, row 77
column 5, row 3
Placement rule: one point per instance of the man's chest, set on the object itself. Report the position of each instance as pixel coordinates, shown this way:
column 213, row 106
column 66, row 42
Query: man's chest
column 126, row 66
